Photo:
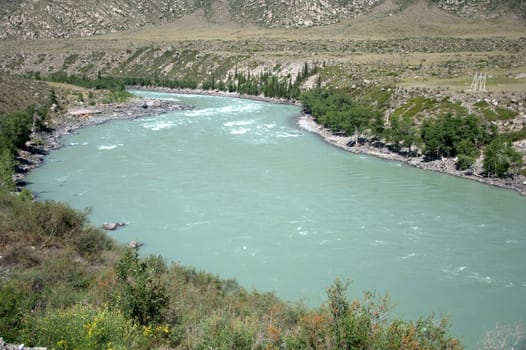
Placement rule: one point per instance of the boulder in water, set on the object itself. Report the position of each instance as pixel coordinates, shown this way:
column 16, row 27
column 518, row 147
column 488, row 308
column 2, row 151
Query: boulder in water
column 110, row 226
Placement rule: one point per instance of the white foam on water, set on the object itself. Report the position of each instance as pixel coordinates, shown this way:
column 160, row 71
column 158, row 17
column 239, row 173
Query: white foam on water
column 377, row 243
column 62, row 178
column 410, row 255
column 80, row 194
column 481, row 278
column 159, row 125
column 232, row 109
column 511, row 241
column 415, row 228
column 454, row 272
column 282, row 134
column 109, row 147
column 239, row 123
column 78, row 144
column 197, row 223
column 241, row 131
column 482, row 225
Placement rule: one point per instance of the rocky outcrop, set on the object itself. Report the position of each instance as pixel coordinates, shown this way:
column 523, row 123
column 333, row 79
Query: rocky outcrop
column 111, row 226
column 483, row 8
column 28, row 19
column 302, row 13
column 5, row 346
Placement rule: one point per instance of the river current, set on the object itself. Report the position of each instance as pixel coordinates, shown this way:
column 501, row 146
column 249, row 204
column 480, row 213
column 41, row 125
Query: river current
column 235, row 188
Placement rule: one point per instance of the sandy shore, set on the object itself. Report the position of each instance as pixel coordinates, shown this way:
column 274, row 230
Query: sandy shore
column 140, row 107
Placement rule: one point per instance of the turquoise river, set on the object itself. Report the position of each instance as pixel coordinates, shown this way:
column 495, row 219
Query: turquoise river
column 234, row 187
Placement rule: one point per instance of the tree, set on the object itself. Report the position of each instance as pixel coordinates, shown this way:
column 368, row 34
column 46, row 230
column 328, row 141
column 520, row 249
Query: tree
column 500, row 158
column 402, row 132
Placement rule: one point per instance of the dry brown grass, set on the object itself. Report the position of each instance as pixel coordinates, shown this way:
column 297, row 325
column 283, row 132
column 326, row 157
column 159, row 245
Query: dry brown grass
column 267, row 47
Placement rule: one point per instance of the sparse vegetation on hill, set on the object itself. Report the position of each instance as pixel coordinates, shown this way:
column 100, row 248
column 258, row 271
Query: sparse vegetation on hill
column 66, row 19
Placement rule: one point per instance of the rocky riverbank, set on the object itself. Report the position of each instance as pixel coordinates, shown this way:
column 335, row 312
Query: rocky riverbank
column 75, row 119
column 43, row 142
column 307, row 122
column 446, row 165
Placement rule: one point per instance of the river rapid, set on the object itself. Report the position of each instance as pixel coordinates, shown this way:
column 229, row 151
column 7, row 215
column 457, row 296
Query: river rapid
column 236, row 188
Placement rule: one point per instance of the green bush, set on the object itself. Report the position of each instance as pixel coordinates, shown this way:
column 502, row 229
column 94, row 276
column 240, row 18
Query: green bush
column 90, row 242
column 7, row 167
column 500, row 159
column 84, row 327
column 224, row 334
column 448, row 135
column 337, row 111
column 141, row 292
column 18, row 301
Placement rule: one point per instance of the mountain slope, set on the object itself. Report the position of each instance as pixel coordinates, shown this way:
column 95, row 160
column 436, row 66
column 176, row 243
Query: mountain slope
column 28, row 19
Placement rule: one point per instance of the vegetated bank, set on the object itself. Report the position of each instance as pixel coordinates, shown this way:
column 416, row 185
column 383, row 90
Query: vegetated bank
column 135, row 302
column 67, row 285
column 466, row 137
column 447, row 139
column 460, row 134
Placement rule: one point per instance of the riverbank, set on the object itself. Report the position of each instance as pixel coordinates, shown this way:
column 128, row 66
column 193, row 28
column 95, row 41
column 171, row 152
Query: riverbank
column 218, row 94
column 75, row 119
column 308, row 123
column 72, row 120
column 445, row 166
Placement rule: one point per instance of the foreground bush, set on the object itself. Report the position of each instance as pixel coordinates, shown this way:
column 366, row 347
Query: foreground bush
column 85, row 327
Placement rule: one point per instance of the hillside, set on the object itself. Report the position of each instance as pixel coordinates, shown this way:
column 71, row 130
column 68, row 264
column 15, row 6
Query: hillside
column 408, row 61
column 392, row 54
column 28, row 19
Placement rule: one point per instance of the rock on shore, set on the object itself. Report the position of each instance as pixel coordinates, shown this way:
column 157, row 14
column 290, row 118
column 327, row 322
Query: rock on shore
column 5, row 346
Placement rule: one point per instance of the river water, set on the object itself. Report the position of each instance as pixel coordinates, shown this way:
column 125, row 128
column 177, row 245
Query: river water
column 234, row 187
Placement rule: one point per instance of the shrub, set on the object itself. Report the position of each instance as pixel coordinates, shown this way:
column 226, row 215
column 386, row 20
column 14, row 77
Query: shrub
column 500, row 159
column 90, row 242
column 84, row 327
column 7, row 167
column 18, row 300
column 141, row 293
column 223, row 334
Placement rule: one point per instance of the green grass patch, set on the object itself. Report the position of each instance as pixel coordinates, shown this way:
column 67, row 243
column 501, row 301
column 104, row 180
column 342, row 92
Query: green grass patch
column 415, row 107
column 517, row 135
